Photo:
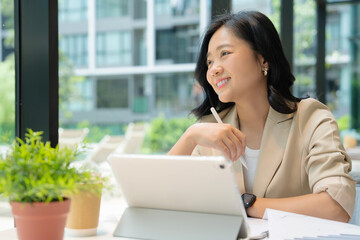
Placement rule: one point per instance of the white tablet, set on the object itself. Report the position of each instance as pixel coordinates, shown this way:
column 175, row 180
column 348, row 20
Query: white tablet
column 183, row 183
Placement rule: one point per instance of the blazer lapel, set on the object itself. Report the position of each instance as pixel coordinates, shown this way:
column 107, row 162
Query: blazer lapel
column 272, row 148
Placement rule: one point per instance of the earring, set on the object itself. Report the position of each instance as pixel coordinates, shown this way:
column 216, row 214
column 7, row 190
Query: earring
column 265, row 71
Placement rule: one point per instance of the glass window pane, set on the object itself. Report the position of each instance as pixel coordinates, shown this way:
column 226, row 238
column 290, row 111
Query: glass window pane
column 177, row 45
column 7, row 75
column 75, row 48
column 304, row 48
column 7, row 95
column 112, row 93
column 174, row 91
column 342, row 65
column 72, row 11
column 270, row 8
column 106, row 80
column 177, row 7
column 112, row 8
column 113, row 48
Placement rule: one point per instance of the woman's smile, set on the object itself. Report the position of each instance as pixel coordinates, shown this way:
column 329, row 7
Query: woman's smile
column 220, row 83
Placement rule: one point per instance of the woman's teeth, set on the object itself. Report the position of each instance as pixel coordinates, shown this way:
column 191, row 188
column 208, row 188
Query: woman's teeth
column 222, row 82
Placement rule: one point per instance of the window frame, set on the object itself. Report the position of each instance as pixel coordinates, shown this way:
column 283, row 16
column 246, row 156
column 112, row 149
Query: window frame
column 36, row 68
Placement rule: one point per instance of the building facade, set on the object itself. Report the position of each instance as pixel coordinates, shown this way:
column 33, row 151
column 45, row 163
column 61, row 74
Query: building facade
column 137, row 57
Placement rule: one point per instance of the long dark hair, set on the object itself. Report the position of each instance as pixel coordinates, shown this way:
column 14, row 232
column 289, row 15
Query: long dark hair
column 256, row 29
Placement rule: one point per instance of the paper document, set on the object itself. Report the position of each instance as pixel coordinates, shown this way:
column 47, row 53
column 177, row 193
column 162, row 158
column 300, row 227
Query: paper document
column 258, row 228
column 285, row 225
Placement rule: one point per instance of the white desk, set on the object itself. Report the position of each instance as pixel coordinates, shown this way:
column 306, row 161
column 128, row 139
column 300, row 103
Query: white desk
column 110, row 213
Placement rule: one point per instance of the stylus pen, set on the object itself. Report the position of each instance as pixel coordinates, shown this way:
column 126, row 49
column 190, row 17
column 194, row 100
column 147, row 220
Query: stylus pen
column 218, row 119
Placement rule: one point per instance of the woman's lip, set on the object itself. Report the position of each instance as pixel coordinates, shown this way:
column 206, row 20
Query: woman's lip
column 221, row 79
column 222, row 82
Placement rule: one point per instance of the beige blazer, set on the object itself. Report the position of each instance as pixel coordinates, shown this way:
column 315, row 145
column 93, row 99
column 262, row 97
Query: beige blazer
column 300, row 153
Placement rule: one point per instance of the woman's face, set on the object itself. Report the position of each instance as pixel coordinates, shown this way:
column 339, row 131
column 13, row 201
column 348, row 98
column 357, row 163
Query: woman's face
column 234, row 71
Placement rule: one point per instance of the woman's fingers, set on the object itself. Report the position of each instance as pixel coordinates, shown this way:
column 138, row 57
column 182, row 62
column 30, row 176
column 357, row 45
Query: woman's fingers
column 234, row 140
column 224, row 149
column 239, row 141
column 242, row 139
column 223, row 137
column 230, row 147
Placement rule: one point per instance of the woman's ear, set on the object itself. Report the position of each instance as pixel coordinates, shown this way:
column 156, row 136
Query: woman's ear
column 263, row 62
column 263, row 65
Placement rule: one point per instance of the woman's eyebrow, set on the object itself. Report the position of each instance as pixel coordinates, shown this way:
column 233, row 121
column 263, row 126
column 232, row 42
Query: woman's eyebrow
column 220, row 47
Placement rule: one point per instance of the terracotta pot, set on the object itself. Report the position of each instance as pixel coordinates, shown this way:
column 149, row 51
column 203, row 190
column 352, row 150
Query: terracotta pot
column 40, row 221
column 83, row 218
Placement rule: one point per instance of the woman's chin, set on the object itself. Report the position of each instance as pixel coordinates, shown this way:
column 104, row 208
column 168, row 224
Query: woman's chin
column 223, row 98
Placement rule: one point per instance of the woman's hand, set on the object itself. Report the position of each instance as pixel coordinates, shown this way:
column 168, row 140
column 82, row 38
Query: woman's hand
column 227, row 139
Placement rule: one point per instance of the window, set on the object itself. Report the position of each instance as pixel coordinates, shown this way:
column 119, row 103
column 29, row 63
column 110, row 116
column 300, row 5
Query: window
column 98, row 93
column 112, row 8
column 177, row 7
column 75, row 47
column 183, row 47
column 140, row 9
column 113, row 48
column 140, row 100
column 7, row 76
column 174, row 91
column 162, row 7
column 270, row 8
column 81, row 98
column 139, row 48
column 112, row 93
column 164, row 50
column 342, row 61
column 304, row 48
column 7, row 91
column 72, row 11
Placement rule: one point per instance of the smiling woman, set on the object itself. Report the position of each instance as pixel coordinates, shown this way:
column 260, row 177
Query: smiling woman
column 243, row 72
column 291, row 146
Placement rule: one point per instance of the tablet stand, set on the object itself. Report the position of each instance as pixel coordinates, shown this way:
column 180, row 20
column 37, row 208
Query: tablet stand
column 145, row 223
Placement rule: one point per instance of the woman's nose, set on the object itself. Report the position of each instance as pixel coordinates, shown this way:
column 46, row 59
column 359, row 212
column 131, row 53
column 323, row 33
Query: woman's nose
column 215, row 70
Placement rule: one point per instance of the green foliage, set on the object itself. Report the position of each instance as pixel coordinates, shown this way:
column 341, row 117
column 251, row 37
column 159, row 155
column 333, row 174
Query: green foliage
column 67, row 83
column 304, row 22
column 35, row 172
column 303, row 80
column 7, row 12
column 275, row 14
column 7, row 94
column 163, row 134
column 304, row 29
column 343, row 122
column 7, row 133
column 97, row 132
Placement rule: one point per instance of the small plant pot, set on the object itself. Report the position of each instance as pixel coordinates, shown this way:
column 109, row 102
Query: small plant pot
column 83, row 218
column 40, row 221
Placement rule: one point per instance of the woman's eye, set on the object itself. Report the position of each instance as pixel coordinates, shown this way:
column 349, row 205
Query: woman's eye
column 209, row 62
column 224, row 53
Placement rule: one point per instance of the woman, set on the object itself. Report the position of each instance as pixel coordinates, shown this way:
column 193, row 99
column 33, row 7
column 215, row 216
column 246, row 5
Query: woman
column 295, row 160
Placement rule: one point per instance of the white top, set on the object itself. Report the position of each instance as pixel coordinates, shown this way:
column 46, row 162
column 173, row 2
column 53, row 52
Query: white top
column 251, row 156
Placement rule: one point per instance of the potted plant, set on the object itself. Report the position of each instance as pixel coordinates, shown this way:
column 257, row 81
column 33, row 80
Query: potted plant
column 38, row 181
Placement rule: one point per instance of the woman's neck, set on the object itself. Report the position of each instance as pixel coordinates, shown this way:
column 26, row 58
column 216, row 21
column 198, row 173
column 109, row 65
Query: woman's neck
column 252, row 117
column 253, row 113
